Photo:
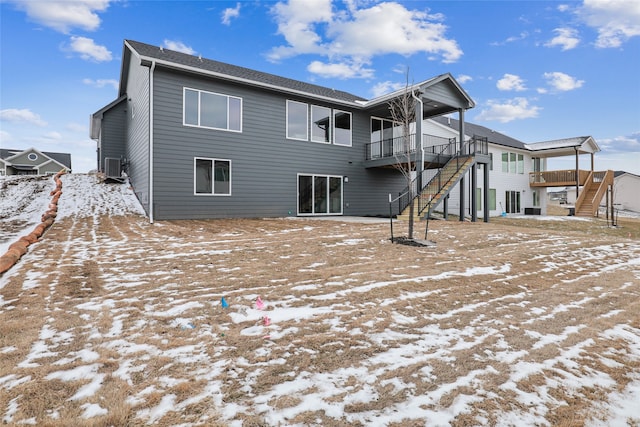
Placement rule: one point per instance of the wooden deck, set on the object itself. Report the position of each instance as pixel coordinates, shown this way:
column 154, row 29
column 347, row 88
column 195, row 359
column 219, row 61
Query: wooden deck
column 559, row 178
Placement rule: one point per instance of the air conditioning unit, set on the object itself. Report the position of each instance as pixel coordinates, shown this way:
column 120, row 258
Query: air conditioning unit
column 112, row 167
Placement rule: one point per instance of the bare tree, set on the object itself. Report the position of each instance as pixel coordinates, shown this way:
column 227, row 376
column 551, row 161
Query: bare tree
column 402, row 110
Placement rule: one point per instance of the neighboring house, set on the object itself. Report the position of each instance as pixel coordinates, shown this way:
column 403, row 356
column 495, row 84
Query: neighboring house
column 626, row 191
column 511, row 163
column 33, row 162
column 203, row 139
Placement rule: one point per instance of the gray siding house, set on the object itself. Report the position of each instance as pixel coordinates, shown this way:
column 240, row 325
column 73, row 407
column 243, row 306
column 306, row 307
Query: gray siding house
column 33, row 162
column 203, row 139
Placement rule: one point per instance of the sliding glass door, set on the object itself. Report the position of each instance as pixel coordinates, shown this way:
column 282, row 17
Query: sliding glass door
column 319, row 195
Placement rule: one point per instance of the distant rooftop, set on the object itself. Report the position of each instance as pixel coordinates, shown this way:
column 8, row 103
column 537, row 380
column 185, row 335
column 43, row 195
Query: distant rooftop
column 473, row 129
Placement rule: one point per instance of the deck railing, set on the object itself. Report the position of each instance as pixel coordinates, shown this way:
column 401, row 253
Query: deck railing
column 557, row 178
column 434, row 145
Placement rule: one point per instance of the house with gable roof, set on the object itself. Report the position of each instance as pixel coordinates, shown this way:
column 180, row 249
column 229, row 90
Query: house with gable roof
column 198, row 138
column 203, row 139
column 33, row 162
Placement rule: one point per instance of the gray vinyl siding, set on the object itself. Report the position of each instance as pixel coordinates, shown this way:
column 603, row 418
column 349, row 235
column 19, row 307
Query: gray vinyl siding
column 113, row 134
column 265, row 164
column 50, row 168
column 137, row 114
column 446, row 94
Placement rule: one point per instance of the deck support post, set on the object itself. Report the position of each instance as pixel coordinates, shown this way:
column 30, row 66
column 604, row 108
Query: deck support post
column 577, row 175
column 473, row 191
column 462, row 198
column 485, row 195
column 460, row 148
column 446, row 207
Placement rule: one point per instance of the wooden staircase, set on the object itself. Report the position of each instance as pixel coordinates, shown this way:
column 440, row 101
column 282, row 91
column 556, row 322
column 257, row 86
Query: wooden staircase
column 594, row 189
column 586, row 208
column 438, row 187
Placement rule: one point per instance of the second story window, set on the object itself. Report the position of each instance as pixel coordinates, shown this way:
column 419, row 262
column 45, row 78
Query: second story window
column 328, row 126
column 297, row 120
column 341, row 128
column 212, row 110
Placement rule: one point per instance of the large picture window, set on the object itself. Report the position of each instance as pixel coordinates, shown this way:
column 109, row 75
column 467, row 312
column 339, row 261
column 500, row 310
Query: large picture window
column 212, row 110
column 319, row 195
column 212, row 177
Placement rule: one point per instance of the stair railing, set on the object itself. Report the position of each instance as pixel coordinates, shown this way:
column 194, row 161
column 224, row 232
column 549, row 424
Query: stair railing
column 475, row 145
column 444, row 151
column 585, row 189
column 605, row 179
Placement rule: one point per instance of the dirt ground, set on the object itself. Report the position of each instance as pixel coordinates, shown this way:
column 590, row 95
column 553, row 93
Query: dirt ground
column 514, row 322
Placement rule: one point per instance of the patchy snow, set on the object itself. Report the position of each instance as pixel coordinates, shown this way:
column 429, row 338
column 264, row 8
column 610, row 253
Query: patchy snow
column 516, row 342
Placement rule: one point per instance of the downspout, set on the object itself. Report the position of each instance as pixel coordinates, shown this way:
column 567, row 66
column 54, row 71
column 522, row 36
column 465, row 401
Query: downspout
column 419, row 139
column 151, row 70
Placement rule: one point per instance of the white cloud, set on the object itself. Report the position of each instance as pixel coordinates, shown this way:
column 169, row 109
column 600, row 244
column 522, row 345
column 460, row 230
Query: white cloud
column 561, row 82
column 339, row 70
column 230, row 13
column 64, row 15
column 463, row 78
column 21, row 116
column 5, row 138
column 615, row 20
column 384, row 88
column 523, row 35
column 178, row 46
column 53, row 136
column 100, row 83
column 506, row 111
column 511, row 82
column 355, row 35
column 566, row 38
column 88, row 50
column 77, row 127
column 296, row 22
column 627, row 143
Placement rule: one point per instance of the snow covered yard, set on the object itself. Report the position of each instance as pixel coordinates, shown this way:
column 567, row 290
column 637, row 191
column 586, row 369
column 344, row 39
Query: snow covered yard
column 110, row 320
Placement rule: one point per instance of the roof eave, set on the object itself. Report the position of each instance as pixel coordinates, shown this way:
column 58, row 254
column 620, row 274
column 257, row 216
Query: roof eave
column 147, row 60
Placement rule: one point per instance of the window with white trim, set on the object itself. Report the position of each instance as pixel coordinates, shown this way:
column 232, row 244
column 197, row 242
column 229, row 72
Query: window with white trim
column 212, row 110
column 211, row 177
column 512, row 163
column 342, row 128
column 327, row 125
column 320, row 194
column 320, row 124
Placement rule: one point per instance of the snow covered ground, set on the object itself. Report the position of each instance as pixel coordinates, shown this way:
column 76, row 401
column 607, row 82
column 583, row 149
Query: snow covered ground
column 112, row 320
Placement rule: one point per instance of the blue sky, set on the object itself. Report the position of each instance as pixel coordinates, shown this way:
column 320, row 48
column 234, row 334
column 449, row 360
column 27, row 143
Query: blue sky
column 537, row 70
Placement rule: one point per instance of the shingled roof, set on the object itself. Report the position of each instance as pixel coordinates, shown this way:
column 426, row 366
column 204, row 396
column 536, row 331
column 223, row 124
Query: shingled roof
column 62, row 158
column 491, row 135
column 228, row 71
